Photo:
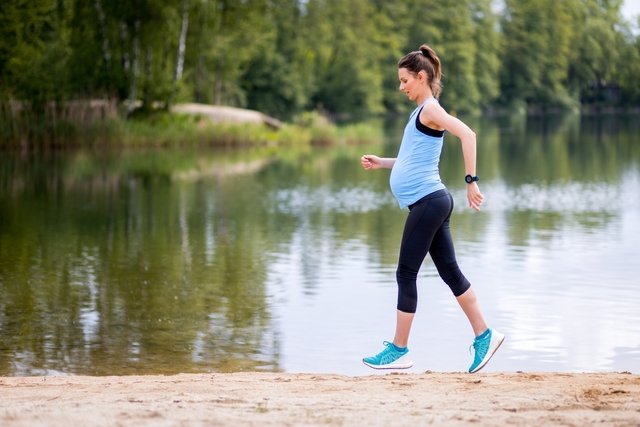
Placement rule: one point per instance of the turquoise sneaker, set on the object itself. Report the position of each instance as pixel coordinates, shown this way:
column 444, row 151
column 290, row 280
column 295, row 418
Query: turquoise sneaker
column 392, row 357
column 484, row 346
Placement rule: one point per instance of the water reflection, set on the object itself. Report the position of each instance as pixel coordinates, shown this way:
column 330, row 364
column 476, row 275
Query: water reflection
column 185, row 261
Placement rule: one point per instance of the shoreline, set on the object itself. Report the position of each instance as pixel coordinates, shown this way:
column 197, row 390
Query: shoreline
column 288, row 399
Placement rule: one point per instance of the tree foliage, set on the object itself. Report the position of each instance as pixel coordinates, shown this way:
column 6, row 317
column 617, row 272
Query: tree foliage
column 288, row 56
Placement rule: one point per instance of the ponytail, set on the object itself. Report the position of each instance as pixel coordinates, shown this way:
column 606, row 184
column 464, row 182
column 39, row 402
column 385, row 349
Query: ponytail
column 428, row 61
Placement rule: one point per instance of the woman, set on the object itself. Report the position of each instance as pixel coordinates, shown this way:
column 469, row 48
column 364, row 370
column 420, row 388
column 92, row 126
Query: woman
column 415, row 183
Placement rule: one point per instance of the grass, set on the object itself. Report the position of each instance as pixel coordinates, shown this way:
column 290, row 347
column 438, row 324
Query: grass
column 163, row 129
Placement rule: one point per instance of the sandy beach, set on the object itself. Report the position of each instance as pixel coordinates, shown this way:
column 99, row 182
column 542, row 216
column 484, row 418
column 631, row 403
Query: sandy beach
column 274, row 399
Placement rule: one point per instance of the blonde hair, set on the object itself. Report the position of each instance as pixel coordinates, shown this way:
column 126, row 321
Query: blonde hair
column 425, row 59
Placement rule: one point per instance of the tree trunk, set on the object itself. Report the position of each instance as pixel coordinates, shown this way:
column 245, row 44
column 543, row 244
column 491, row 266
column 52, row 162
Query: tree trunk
column 198, row 78
column 146, row 89
column 218, row 85
column 182, row 43
column 218, row 96
column 106, row 54
column 126, row 63
column 134, row 69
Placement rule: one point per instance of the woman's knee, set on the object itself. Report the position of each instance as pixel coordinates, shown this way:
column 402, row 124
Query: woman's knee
column 407, row 289
column 453, row 277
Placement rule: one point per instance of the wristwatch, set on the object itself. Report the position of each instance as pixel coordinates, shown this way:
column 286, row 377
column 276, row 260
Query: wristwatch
column 469, row 179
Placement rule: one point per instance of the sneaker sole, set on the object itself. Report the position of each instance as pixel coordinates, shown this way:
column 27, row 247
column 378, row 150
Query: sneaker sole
column 401, row 363
column 395, row 365
column 493, row 347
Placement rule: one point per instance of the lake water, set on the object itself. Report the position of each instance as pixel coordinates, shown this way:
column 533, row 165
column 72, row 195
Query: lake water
column 283, row 259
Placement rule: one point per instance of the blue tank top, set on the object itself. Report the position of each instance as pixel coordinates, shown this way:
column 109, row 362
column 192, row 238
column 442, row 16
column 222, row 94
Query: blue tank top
column 415, row 172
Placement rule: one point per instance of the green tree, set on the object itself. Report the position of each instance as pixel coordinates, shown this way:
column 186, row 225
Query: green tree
column 125, row 49
column 91, row 66
column 278, row 78
column 347, row 64
column 223, row 39
column 288, row 56
column 33, row 50
column 488, row 42
column 465, row 36
column 538, row 36
column 628, row 68
column 458, row 54
column 596, row 50
column 393, row 18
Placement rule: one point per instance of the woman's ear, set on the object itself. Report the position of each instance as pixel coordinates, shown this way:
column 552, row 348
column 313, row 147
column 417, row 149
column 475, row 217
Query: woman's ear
column 422, row 76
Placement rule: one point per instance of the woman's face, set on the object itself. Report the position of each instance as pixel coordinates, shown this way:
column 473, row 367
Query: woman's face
column 411, row 84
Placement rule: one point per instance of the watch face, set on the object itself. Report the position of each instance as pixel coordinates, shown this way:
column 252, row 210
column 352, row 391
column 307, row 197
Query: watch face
column 468, row 179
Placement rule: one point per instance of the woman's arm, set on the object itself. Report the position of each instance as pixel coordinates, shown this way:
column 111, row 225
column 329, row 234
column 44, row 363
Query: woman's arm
column 370, row 161
column 433, row 115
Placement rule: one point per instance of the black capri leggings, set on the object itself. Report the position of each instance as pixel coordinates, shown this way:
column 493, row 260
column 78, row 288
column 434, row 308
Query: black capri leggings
column 427, row 230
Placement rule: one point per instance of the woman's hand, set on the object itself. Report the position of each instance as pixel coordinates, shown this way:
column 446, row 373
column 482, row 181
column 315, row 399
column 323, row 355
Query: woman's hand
column 474, row 196
column 370, row 161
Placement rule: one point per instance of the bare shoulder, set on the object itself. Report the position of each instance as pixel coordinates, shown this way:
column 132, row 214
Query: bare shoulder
column 433, row 115
column 436, row 117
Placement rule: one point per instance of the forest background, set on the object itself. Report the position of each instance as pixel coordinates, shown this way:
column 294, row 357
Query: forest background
column 337, row 57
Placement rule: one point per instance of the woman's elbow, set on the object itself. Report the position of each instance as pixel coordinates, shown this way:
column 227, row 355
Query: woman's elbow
column 469, row 136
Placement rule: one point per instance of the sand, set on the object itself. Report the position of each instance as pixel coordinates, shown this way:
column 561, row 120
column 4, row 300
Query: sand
column 274, row 399
column 225, row 114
